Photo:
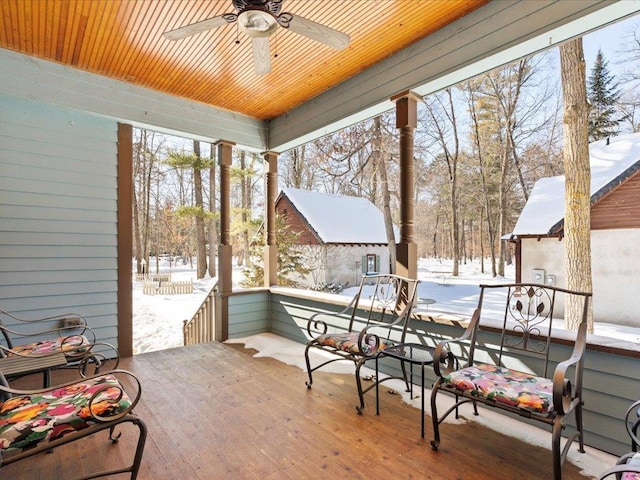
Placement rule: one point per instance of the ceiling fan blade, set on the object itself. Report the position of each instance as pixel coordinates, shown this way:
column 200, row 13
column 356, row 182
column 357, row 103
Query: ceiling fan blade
column 261, row 55
column 198, row 27
column 319, row 33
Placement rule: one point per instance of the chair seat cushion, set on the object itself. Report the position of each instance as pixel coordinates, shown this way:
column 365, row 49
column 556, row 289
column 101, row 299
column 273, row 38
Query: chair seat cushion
column 510, row 387
column 635, row 461
column 29, row 419
column 72, row 344
column 348, row 342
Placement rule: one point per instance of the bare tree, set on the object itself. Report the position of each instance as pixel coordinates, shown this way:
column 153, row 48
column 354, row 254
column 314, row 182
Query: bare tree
column 201, row 242
column 443, row 124
column 577, row 220
column 213, row 230
column 471, row 91
column 297, row 167
column 187, row 169
column 379, row 156
column 145, row 169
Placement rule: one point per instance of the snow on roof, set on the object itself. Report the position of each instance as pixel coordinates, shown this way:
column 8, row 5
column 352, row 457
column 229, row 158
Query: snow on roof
column 339, row 218
column 545, row 207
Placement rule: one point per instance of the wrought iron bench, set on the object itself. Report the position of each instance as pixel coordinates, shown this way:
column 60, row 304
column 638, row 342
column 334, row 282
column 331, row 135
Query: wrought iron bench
column 36, row 421
column 67, row 333
column 628, row 465
column 376, row 317
column 545, row 389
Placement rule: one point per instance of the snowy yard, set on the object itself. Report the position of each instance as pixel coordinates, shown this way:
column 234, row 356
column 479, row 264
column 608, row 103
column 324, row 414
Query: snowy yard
column 158, row 319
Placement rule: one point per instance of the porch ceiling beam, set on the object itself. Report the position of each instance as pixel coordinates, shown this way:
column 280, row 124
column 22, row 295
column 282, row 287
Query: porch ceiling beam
column 36, row 79
column 491, row 36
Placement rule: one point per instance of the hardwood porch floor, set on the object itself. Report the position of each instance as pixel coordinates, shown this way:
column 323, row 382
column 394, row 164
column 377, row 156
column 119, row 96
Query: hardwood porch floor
column 215, row 412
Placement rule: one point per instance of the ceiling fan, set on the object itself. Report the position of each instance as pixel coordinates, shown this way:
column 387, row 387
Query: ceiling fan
column 259, row 19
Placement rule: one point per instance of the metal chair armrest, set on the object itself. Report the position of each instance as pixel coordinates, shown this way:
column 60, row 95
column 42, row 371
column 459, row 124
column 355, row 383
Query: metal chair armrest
column 632, row 424
column 61, row 331
column 564, row 393
column 316, row 327
column 443, row 355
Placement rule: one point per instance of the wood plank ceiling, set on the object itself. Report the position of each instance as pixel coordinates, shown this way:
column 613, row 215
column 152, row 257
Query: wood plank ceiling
column 122, row 39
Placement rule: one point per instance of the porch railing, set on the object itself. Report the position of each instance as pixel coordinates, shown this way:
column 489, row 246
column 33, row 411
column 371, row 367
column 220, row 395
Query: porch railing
column 200, row 329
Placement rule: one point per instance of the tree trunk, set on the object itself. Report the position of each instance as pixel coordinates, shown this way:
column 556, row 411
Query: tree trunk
column 213, row 229
column 201, row 242
column 386, row 195
column 435, row 237
column 577, row 220
column 244, row 235
column 146, row 192
column 502, row 223
column 481, row 241
column 486, row 206
column 246, row 209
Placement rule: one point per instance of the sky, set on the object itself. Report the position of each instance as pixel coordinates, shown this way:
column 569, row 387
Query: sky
column 610, row 40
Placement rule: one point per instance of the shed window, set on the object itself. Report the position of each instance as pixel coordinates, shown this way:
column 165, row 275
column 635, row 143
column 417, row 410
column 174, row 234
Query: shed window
column 370, row 263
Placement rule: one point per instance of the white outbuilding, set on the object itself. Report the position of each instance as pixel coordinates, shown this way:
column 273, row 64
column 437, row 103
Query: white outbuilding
column 615, row 231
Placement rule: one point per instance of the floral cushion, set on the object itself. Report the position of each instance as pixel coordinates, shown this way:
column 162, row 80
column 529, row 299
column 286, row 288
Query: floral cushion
column 73, row 344
column 28, row 419
column 348, row 342
column 635, row 461
column 513, row 388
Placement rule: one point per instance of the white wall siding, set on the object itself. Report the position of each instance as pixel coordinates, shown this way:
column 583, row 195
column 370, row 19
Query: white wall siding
column 337, row 263
column 58, row 206
column 615, row 271
column 341, row 261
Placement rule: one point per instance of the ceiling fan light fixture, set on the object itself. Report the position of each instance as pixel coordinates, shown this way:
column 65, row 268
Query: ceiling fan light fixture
column 257, row 23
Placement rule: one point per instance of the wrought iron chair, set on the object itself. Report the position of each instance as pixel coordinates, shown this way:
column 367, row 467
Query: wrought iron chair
column 67, row 333
column 472, row 372
column 36, row 421
column 628, row 465
column 377, row 317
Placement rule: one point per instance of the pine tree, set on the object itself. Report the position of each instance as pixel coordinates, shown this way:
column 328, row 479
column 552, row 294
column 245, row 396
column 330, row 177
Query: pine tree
column 603, row 95
column 291, row 261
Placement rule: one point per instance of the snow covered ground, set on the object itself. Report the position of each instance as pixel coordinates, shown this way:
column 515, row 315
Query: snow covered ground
column 158, row 319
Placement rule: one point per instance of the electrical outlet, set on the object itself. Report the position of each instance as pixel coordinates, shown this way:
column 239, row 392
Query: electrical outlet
column 538, row 276
column 68, row 322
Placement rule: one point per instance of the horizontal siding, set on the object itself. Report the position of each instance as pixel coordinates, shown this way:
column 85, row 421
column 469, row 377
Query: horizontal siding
column 620, row 208
column 58, row 214
column 289, row 316
column 58, row 238
column 611, row 382
column 248, row 314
